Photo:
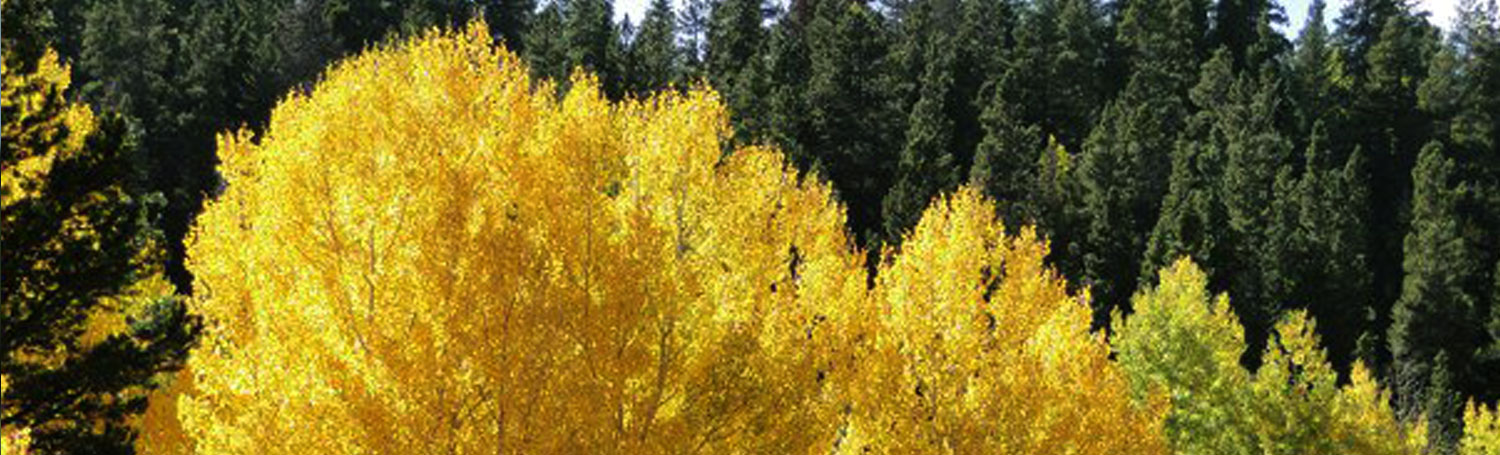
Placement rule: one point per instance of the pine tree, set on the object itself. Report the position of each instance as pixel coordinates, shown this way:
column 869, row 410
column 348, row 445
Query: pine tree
column 1387, row 124
column 304, row 42
column 927, row 166
column 509, row 20
column 1004, row 167
column 655, row 62
column 734, row 37
column 1193, row 210
column 1053, row 74
column 1329, row 261
column 852, row 121
column 1436, row 317
column 693, row 22
column 1126, row 158
column 1312, row 72
column 592, row 42
column 89, row 323
column 788, row 70
column 546, row 52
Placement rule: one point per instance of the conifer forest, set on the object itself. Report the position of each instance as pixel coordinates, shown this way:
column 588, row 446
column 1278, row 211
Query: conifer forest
column 1072, row 227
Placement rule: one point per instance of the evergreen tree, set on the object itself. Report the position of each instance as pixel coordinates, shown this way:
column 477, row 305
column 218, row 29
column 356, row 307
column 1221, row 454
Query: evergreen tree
column 1329, row 263
column 735, row 63
column 546, row 51
column 734, row 37
column 592, row 42
column 853, row 122
column 305, row 43
column 86, row 329
column 1004, row 163
column 1254, row 153
column 653, row 52
column 1359, row 28
column 1053, row 75
column 1436, row 317
column 1193, row 213
column 1125, row 161
column 1313, row 72
column 788, row 70
column 693, row 22
column 509, row 20
column 927, row 165
column 1387, row 124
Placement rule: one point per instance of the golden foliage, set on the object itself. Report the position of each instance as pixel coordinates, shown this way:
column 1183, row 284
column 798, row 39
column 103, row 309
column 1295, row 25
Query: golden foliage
column 427, row 255
column 13, row 441
column 1481, row 430
column 980, row 349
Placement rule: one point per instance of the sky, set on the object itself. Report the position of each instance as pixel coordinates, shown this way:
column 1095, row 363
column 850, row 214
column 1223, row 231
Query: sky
column 1442, row 11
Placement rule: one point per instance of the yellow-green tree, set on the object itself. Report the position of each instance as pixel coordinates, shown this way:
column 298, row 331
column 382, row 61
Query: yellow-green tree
column 980, row 348
column 428, row 255
column 1481, row 430
column 1187, row 343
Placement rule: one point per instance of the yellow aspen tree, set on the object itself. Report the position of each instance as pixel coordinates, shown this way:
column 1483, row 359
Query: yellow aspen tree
column 1481, row 430
column 427, row 254
column 981, row 349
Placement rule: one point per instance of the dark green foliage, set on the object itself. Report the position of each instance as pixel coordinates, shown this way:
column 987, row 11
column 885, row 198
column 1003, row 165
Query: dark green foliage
column 1312, row 72
column 1193, row 218
column 1126, row 158
column 787, row 69
column 853, row 124
column 76, row 240
column 509, row 20
column 1437, row 325
column 927, row 165
column 1329, row 262
column 1053, row 75
column 546, row 52
column 654, row 62
column 734, row 37
column 592, row 42
column 1005, row 163
column 735, row 63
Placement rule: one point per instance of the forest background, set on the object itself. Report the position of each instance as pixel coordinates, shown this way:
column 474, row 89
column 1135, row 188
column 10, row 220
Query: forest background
column 1348, row 170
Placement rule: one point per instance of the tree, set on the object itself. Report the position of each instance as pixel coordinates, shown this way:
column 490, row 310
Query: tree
column 853, row 124
column 510, row 270
column 653, row 53
column 510, row 21
column 734, row 37
column 1193, row 211
column 981, row 348
column 1314, row 65
column 1435, row 315
column 1481, row 430
column 927, row 165
column 1053, row 75
column 1329, row 261
column 1125, row 163
column 545, row 51
column 88, row 321
column 1188, row 344
column 592, row 43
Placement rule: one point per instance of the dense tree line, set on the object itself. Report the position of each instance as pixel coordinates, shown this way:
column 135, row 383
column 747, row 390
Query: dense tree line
column 1350, row 172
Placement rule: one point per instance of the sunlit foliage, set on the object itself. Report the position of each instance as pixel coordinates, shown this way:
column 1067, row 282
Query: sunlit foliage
column 426, row 256
column 1187, row 343
column 1481, row 430
column 981, row 349
column 429, row 254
